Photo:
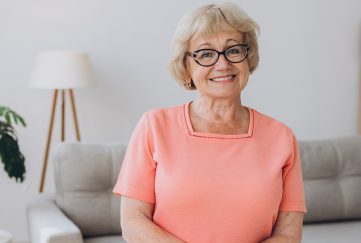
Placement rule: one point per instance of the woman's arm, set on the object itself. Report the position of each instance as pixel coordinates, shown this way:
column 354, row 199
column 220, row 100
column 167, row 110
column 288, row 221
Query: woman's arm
column 138, row 226
column 288, row 228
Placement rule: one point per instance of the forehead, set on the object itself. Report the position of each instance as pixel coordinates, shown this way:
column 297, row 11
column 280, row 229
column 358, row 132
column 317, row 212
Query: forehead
column 218, row 39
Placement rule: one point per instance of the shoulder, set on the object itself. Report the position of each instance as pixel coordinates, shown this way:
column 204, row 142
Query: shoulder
column 266, row 123
column 274, row 133
column 163, row 116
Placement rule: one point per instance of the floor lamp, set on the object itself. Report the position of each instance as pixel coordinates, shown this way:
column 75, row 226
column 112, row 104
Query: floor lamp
column 61, row 71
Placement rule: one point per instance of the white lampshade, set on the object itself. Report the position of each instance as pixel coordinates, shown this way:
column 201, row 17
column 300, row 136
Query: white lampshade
column 62, row 70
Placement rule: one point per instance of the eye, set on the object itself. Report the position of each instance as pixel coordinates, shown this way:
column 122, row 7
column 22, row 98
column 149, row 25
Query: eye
column 234, row 50
column 205, row 54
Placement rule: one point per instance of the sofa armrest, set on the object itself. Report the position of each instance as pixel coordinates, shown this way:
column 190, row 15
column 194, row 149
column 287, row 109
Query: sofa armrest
column 48, row 224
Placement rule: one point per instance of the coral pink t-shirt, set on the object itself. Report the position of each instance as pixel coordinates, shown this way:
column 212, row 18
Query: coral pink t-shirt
column 211, row 187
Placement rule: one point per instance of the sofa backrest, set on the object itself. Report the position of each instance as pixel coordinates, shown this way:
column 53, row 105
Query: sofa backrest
column 85, row 175
column 332, row 179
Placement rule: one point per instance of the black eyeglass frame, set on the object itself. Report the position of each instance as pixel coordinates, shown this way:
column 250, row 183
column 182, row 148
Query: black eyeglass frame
column 194, row 54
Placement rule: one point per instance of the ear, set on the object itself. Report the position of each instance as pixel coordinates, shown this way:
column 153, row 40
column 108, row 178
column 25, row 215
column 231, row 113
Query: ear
column 190, row 83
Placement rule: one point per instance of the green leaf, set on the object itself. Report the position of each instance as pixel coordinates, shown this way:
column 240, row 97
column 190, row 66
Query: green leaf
column 19, row 118
column 15, row 117
column 6, row 128
column 2, row 109
column 11, row 115
column 7, row 118
column 22, row 121
column 10, row 155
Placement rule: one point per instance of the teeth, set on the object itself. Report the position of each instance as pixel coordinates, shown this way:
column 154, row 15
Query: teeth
column 222, row 78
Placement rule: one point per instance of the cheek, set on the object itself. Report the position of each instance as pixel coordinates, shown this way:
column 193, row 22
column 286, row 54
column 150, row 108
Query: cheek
column 244, row 74
column 245, row 77
column 191, row 69
column 188, row 69
column 198, row 73
column 245, row 69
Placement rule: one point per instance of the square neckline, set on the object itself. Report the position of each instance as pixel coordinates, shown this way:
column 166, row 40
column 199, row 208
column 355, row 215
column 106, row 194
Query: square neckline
column 218, row 135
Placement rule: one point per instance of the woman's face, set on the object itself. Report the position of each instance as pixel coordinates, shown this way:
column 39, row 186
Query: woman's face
column 223, row 79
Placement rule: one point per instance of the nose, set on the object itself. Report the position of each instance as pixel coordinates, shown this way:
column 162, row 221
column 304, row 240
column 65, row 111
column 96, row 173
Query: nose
column 222, row 63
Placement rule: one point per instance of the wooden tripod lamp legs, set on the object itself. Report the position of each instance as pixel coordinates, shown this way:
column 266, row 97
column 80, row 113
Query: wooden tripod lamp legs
column 62, row 115
column 50, row 130
column 75, row 118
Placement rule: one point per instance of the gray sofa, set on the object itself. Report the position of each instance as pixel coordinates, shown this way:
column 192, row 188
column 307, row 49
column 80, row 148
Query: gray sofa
column 332, row 178
column 85, row 210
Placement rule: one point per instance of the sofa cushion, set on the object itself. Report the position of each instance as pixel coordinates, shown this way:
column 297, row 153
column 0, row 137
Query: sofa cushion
column 332, row 178
column 335, row 232
column 105, row 239
column 84, row 178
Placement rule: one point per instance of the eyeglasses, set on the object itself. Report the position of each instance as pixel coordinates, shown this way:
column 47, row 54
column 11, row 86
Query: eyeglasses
column 208, row 57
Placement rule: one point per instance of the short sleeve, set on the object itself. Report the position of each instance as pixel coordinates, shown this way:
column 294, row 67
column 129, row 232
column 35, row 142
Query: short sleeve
column 293, row 196
column 137, row 173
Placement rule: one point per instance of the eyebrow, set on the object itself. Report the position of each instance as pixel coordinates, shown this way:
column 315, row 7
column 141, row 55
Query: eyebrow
column 209, row 44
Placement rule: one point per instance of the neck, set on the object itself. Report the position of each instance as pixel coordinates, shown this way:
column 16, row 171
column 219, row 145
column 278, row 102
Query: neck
column 219, row 110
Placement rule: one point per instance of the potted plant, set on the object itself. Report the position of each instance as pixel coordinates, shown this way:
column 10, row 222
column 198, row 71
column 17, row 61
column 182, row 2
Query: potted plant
column 10, row 155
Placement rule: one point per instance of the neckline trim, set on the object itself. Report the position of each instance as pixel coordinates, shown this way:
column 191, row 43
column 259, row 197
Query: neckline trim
column 218, row 135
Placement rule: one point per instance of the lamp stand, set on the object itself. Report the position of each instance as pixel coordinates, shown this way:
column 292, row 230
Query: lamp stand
column 50, row 130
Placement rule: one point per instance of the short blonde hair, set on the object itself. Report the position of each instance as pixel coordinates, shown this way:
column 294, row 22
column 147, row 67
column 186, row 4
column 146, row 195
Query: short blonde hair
column 208, row 20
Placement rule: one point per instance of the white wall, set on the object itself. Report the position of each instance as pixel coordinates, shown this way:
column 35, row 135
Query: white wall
column 308, row 77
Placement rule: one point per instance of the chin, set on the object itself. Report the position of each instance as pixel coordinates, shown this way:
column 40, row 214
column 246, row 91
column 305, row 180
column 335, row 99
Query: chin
column 224, row 95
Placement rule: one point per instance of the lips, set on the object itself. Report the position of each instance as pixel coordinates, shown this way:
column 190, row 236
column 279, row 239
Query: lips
column 222, row 78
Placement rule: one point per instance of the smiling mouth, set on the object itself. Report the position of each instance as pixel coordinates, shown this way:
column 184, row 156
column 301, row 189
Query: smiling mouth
column 223, row 78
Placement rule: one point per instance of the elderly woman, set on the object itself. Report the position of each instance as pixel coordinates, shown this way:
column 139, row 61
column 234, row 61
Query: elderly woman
column 212, row 170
